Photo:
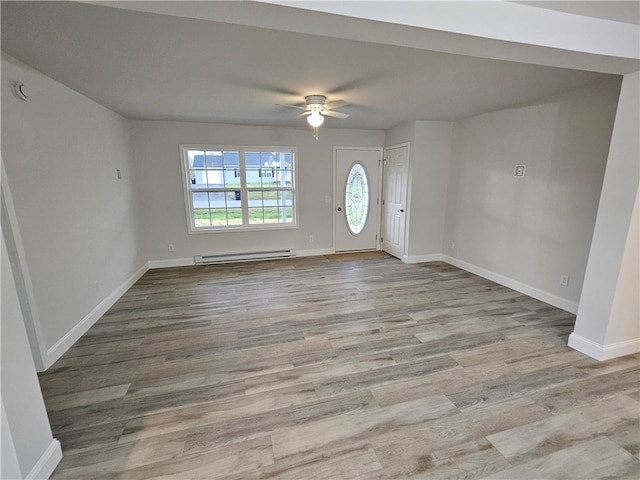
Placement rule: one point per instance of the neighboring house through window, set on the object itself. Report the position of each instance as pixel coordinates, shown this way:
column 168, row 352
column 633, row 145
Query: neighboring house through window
column 230, row 188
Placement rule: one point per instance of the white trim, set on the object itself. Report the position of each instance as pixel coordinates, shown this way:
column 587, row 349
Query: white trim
column 258, row 227
column 620, row 349
column 379, row 193
column 242, row 150
column 172, row 262
column 603, row 352
column 72, row 336
column 586, row 346
column 24, row 287
column 315, row 252
column 47, row 462
column 551, row 299
column 406, row 201
column 8, row 455
column 432, row 257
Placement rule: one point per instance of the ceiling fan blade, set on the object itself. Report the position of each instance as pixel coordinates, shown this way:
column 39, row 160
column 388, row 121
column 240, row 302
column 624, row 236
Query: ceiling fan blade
column 303, row 114
column 292, row 106
column 335, row 104
column 331, row 113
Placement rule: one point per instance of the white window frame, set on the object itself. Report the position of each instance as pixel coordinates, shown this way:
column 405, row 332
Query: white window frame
column 244, row 197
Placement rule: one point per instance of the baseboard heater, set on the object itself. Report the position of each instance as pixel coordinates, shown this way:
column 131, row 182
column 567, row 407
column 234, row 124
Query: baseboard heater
column 243, row 257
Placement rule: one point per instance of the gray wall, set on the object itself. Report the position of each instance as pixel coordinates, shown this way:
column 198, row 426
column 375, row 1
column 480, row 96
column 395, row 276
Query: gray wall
column 531, row 230
column 79, row 224
column 429, row 157
column 428, row 177
column 159, row 176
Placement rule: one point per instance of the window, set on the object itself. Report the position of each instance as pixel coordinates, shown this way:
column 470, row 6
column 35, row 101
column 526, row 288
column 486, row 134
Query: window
column 229, row 188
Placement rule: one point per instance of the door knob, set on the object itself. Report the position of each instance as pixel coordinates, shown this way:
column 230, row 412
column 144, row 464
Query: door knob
column 339, row 209
column 402, row 210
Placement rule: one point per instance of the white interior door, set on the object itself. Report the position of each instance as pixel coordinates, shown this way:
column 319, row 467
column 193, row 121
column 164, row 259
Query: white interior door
column 356, row 213
column 395, row 167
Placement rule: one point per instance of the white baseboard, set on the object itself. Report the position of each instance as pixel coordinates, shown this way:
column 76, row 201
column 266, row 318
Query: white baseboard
column 72, row 336
column 603, row 352
column 411, row 259
column 172, row 262
column 551, row 299
column 47, row 462
column 315, row 252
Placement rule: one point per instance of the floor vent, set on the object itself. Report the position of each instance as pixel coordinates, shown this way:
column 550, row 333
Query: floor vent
column 243, row 257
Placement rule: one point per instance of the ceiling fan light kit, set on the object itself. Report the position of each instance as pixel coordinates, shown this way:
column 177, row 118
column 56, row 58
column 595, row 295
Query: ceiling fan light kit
column 315, row 119
column 316, row 108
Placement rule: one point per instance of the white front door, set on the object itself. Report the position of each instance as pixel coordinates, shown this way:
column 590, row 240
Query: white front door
column 356, row 199
column 396, row 167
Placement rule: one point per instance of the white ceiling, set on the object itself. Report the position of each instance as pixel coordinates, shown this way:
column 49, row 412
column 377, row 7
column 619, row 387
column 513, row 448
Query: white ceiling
column 153, row 66
column 627, row 11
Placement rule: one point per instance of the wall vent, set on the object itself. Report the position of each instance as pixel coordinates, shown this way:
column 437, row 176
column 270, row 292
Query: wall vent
column 243, row 257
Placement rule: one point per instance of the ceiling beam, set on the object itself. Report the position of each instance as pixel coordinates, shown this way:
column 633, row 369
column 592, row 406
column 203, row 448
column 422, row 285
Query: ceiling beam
column 497, row 30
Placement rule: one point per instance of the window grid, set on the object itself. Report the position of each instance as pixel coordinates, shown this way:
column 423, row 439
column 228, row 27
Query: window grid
column 235, row 188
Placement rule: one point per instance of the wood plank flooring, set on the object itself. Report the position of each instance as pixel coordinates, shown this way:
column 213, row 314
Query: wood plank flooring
column 352, row 366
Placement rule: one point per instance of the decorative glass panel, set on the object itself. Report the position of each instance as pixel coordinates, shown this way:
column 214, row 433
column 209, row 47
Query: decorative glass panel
column 356, row 198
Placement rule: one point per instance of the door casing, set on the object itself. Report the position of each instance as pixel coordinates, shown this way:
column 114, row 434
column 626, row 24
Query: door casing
column 350, row 153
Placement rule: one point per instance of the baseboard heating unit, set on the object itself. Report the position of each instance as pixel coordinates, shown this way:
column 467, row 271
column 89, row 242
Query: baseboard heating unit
column 243, row 257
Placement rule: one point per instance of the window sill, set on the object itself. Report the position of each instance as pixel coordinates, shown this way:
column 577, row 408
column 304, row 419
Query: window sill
column 243, row 229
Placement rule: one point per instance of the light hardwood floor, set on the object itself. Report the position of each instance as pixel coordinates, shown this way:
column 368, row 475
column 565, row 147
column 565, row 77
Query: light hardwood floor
column 338, row 367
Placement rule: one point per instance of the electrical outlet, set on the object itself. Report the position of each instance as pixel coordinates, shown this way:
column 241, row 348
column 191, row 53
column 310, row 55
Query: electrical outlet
column 453, row 246
column 564, row 280
column 311, row 239
column 519, row 171
column 171, row 247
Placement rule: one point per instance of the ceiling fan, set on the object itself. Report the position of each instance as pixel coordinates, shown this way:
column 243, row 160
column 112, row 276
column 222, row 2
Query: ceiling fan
column 316, row 108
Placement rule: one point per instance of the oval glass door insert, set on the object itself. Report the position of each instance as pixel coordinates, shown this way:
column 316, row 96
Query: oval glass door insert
column 356, row 198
